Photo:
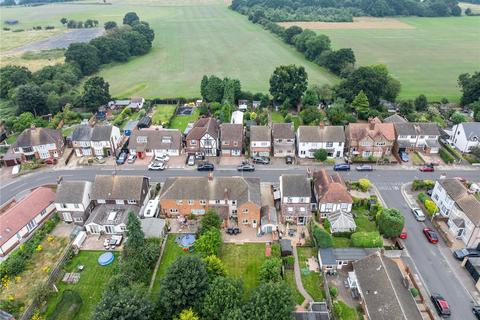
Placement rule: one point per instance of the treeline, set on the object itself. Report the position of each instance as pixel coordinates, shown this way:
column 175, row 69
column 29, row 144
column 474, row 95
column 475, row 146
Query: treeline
column 73, row 24
column 33, row 2
column 344, row 10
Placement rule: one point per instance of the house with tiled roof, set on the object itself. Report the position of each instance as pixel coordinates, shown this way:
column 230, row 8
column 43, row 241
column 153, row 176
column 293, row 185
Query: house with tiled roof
column 35, row 143
column 231, row 137
column 283, row 136
column 236, row 199
column 313, row 138
column 99, row 140
column 18, row 220
column 296, row 194
column 372, row 139
column 204, row 137
column 73, row 201
column 260, row 141
column 465, row 136
column 331, row 192
column 155, row 140
column 462, row 209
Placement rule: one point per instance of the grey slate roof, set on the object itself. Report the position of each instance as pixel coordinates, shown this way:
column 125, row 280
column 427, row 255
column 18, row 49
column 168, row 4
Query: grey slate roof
column 321, row 134
column 38, row 136
column 156, row 139
column 295, row 185
column 200, row 188
column 71, row 191
column 381, row 284
column 330, row 256
column 395, row 118
column 260, row 133
column 115, row 187
column 465, row 201
column 417, row 128
column 101, row 213
column 101, row 133
column 283, row 131
column 472, row 129
column 84, row 132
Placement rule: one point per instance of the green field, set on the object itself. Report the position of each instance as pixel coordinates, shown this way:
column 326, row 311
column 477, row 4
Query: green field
column 426, row 59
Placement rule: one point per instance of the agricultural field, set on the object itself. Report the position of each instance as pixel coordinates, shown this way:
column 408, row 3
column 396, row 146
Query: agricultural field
column 192, row 39
column 427, row 56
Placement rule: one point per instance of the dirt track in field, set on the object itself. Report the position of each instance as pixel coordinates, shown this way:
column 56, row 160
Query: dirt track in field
column 358, row 23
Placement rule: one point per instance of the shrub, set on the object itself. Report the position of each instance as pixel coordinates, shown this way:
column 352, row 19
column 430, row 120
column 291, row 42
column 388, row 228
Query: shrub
column 391, row 222
column 414, row 292
column 49, row 27
column 364, row 184
column 326, row 225
column 422, row 184
column 289, row 260
column 446, row 156
column 275, row 252
column 270, row 270
column 422, row 197
column 68, row 306
column 333, row 291
column 367, row 239
column 323, row 239
column 430, row 206
column 320, row 155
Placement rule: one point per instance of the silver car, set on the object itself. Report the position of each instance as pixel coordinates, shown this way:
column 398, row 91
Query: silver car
column 418, row 214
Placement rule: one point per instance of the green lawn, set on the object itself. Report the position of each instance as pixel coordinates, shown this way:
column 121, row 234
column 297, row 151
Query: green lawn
column 277, row 117
column 171, row 252
column 290, row 280
column 163, row 113
column 90, row 286
column 243, row 262
column 363, row 224
column 341, row 242
column 344, row 312
column 312, row 282
column 181, row 122
column 427, row 58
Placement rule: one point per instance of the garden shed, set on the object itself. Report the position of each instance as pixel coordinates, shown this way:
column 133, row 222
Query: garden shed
column 286, row 248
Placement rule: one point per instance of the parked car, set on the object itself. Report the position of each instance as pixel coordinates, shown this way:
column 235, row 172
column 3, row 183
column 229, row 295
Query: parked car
column 476, row 311
column 427, row 168
column 246, row 167
column 206, row 166
column 441, row 305
column 260, row 160
column 99, row 159
column 460, row 254
column 429, row 192
column 157, row 166
column 404, row 156
column 364, row 167
column 431, row 235
column 191, row 160
column 289, row 160
column 418, row 214
column 122, row 157
column 199, row 156
column 403, row 235
column 131, row 158
column 341, row 167
column 162, row 157
column 50, row 161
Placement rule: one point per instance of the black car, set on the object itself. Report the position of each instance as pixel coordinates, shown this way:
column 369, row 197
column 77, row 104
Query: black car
column 289, row 160
column 476, row 311
column 441, row 305
column 460, row 254
column 341, row 167
column 261, row 160
column 246, row 167
column 206, row 166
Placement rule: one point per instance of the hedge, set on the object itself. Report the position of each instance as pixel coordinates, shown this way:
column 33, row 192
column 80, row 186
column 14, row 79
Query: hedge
column 367, row 239
column 446, row 156
column 422, row 197
column 422, row 185
column 323, row 239
column 430, row 206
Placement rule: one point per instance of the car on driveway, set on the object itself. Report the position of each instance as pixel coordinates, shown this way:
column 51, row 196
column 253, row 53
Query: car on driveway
column 418, row 214
column 131, row 158
column 157, row 166
column 341, row 167
column 246, row 167
column 427, row 168
column 364, row 167
column 443, row 309
column 206, row 166
column 260, row 160
column 288, row 160
column 162, row 157
column 404, row 156
column 122, row 158
column 460, row 254
column 191, row 160
column 431, row 235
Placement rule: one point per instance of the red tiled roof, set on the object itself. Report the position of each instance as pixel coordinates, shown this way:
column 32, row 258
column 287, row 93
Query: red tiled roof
column 358, row 131
column 330, row 189
column 16, row 217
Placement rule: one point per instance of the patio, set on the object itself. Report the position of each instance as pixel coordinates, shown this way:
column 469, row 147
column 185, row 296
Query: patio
column 177, row 225
column 97, row 243
column 339, row 281
column 247, row 235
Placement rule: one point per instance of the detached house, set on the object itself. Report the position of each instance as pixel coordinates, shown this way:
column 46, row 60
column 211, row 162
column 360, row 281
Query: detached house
column 283, row 137
column 35, row 143
column 465, row 136
column 100, row 140
column 18, row 220
column 295, row 198
column 148, row 142
column 114, row 197
column 236, row 199
column 204, row 137
column 331, row 193
column 462, row 209
column 136, row 103
column 313, row 138
column 260, row 141
column 231, row 137
column 73, row 201
column 372, row 139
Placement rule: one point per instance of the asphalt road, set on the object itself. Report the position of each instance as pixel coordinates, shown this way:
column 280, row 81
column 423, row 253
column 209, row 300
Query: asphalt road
column 426, row 259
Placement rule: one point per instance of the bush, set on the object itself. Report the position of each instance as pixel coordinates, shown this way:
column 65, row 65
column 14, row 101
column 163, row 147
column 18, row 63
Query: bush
column 431, row 207
column 326, row 225
column 320, row 155
column 364, row 184
column 446, row 156
column 367, row 239
column 333, row 291
column 323, row 239
column 343, row 311
column 289, row 260
column 270, row 270
column 414, row 292
column 276, row 251
column 422, row 197
column 391, row 222
column 422, row 185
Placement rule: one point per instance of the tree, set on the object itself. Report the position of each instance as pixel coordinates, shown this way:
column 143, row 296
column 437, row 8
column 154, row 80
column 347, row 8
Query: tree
column 95, row 93
column 270, row 270
column 63, row 21
column 85, row 56
column 361, row 105
column 468, row 12
column 391, row 222
column 178, row 291
column 209, row 242
column 310, row 98
column 476, row 110
column 144, row 29
column 421, row 103
column 214, row 89
column 300, row 40
column 311, row 115
column 137, row 42
column 134, row 234
column 129, row 303
column 110, row 25
column 26, row 120
column 30, row 98
column 210, row 220
column 203, row 86
column 320, row 155
column 214, row 266
column 228, row 92
column 406, row 107
column 223, row 295
column 270, row 301
column 111, row 49
column 323, row 239
column 13, row 76
column 131, row 18
column 458, row 117
column 187, row 314
column 291, row 32
column 470, row 86
column 288, row 82
column 337, row 113
column 314, row 46
column 364, row 184
column 338, row 61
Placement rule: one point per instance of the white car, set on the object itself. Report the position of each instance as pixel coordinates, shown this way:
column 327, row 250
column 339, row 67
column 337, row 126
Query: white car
column 162, row 157
column 418, row 214
column 131, row 158
column 157, row 166
column 191, row 160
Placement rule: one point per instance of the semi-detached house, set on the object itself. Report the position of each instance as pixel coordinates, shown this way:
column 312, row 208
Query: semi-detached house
column 283, row 136
column 295, row 193
column 372, row 139
column 260, row 141
column 152, row 141
column 204, row 137
column 231, row 137
column 313, row 138
column 73, row 201
column 100, row 140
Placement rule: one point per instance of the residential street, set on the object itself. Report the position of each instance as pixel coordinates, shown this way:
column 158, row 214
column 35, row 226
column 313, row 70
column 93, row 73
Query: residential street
column 438, row 272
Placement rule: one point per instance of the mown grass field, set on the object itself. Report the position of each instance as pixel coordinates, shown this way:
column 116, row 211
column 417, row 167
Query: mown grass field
column 193, row 38
column 426, row 59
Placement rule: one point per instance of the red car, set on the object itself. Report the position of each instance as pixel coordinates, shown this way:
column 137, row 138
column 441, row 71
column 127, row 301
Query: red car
column 403, row 235
column 427, row 169
column 51, row 161
column 431, row 235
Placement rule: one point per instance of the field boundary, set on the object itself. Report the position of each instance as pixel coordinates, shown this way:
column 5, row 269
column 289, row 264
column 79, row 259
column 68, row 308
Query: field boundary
column 358, row 23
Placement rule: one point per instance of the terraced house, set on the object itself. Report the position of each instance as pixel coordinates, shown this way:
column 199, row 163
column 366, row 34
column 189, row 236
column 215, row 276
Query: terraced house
column 372, row 139
column 236, row 199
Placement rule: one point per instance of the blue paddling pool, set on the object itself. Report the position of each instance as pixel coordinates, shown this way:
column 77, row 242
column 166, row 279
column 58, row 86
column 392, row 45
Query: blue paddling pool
column 106, row 258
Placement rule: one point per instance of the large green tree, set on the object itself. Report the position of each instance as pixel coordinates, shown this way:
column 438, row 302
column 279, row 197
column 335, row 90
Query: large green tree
column 85, row 56
column 288, row 83
column 110, row 25
column 111, row 49
column 270, row 301
column 360, row 104
column 316, row 45
column 131, row 18
column 215, row 267
column 210, row 220
column 290, row 32
column 421, row 103
column 300, row 40
column 12, row 76
column 338, row 61
column 390, row 222
column 470, row 86
column 95, row 93
column 30, row 98
column 223, row 296
column 25, row 121
column 270, row 270
column 214, row 89
column 209, row 242
column 144, row 29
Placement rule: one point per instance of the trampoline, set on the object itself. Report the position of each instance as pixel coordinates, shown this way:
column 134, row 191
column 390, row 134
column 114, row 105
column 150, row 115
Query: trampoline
column 186, row 241
column 106, row 258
